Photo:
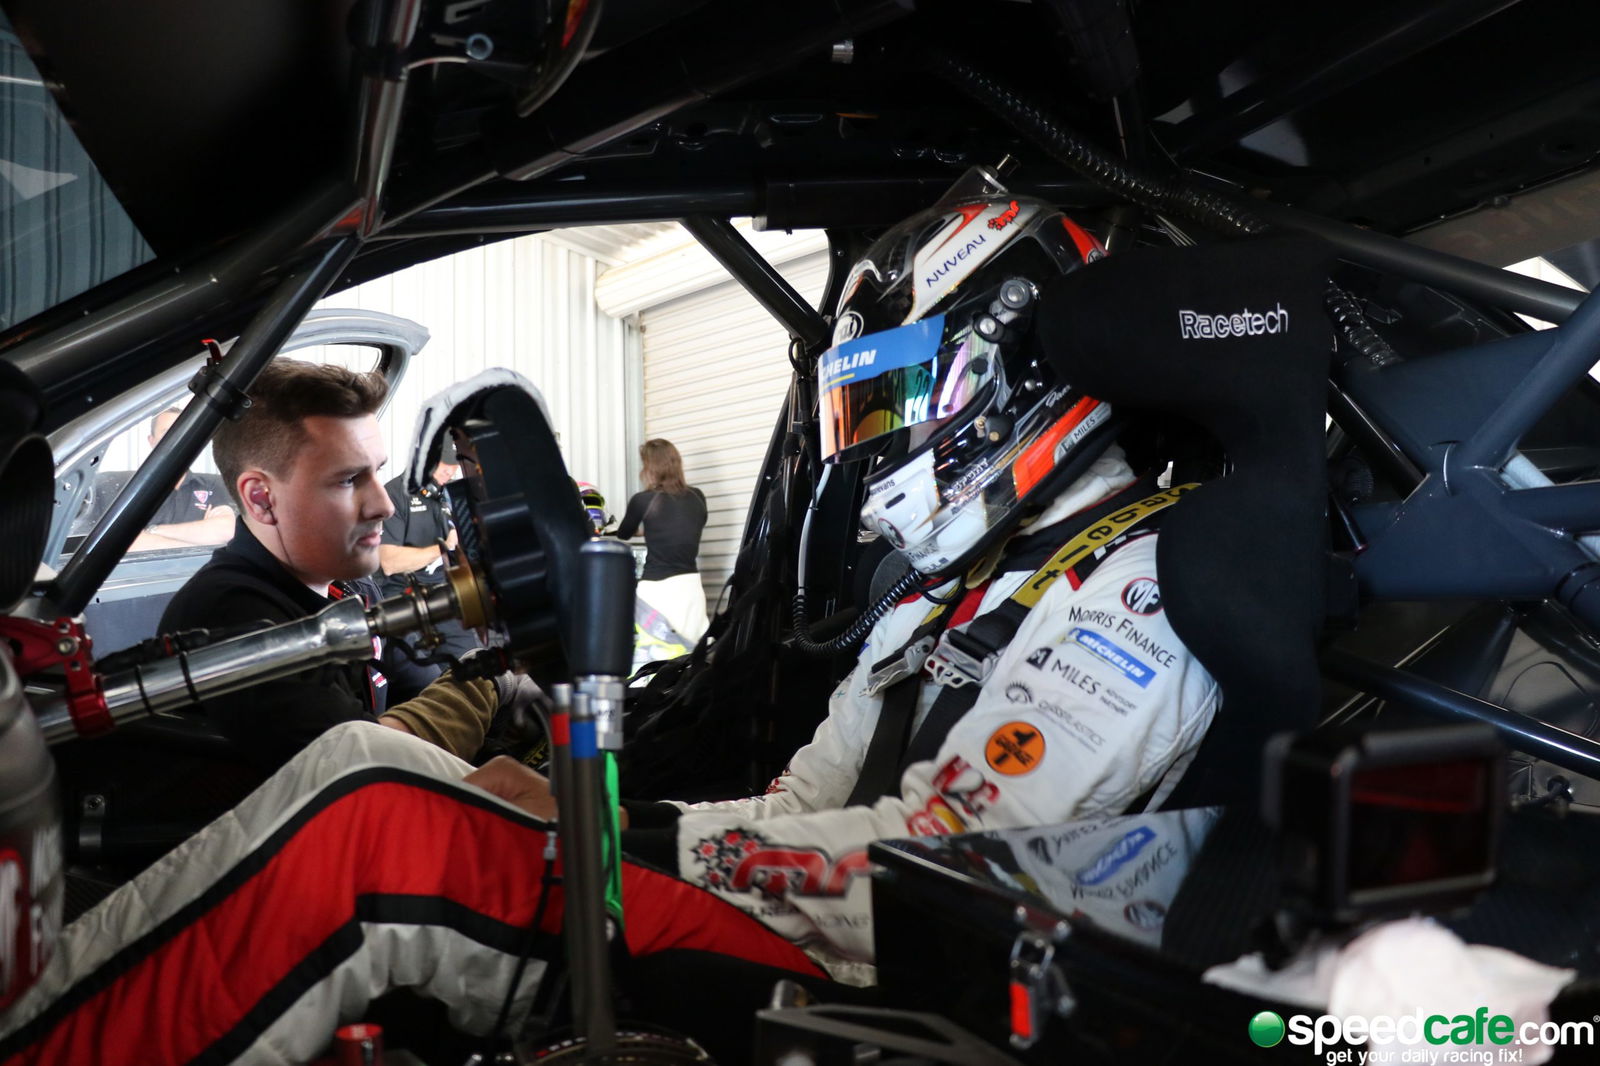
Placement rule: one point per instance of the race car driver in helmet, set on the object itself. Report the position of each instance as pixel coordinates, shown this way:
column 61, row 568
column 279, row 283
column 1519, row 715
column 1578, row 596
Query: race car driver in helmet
column 1048, row 684
column 1039, row 684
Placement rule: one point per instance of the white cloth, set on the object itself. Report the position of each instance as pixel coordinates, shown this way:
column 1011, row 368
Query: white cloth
column 681, row 599
column 1095, row 738
column 1400, row 968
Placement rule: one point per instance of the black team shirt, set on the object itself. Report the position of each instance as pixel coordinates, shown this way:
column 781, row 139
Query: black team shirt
column 418, row 521
column 245, row 588
column 192, row 500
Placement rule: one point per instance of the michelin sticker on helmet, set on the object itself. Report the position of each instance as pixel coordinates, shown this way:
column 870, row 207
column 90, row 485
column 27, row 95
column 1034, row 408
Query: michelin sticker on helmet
column 960, row 247
column 867, row 357
column 1101, row 648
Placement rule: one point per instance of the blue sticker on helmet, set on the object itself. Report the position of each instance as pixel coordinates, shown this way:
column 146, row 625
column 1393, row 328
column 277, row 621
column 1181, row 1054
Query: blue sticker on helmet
column 878, row 353
column 1098, row 646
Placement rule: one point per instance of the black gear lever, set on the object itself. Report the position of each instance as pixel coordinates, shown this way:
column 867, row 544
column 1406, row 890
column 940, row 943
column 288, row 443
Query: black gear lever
column 601, row 650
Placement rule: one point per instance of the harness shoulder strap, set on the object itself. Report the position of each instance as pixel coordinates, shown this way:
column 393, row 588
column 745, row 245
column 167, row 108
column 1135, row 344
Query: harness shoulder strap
column 880, row 770
column 1091, row 538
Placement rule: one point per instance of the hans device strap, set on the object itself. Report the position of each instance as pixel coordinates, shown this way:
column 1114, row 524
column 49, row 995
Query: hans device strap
column 964, row 660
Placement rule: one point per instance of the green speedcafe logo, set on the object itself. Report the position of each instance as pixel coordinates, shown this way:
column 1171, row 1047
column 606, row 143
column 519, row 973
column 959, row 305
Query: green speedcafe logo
column 1267, row 1029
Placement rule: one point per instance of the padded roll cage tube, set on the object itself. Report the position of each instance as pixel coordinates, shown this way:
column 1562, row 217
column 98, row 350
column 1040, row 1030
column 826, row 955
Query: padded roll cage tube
column 759, row 278
column 1541, row 299
column 85, row 341
column 1470, row 530
column 777, row 203
column 220, row 393
column 1567, row 750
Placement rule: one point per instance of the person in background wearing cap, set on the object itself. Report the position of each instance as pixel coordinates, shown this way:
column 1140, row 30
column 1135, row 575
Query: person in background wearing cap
column 409, row 557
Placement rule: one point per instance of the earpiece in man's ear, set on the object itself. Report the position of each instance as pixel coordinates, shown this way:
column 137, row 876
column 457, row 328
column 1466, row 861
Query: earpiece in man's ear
column 262, row 500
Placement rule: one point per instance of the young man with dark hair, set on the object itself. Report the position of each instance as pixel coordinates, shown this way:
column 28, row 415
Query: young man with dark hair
column 303, row 465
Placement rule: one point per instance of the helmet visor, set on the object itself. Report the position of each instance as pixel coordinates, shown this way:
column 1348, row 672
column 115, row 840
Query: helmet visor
column 896, row 379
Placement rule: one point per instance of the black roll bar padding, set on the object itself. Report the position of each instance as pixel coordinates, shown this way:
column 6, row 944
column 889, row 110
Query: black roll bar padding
column 1567, row 750
column 85, row 342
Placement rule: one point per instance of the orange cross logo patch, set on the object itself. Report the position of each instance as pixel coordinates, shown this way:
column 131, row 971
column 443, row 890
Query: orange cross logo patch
column 1015, row 748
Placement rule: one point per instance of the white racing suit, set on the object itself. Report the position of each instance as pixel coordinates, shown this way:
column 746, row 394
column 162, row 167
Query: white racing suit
column 1086, row 710
column 366, row 864
column 363, row 864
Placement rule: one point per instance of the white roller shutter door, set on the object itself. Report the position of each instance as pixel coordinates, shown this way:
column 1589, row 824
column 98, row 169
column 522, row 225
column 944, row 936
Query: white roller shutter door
column 716, row 371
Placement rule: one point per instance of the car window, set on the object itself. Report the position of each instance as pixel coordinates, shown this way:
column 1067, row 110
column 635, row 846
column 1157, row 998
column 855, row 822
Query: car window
column 62, row 231
column 199, row 496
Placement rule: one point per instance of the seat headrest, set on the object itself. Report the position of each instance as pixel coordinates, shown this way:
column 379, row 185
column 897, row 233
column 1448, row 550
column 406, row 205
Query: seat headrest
column 1234, row 338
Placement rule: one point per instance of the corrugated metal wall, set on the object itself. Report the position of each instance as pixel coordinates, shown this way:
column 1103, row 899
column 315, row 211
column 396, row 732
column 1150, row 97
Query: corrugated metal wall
column 716, row 371
column 527, row 304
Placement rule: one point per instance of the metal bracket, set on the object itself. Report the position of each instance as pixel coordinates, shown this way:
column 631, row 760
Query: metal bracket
column 41, row 646
column 1038, row 989
column 212, row 385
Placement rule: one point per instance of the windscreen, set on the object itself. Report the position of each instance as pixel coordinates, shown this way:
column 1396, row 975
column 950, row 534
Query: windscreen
column 62, row 232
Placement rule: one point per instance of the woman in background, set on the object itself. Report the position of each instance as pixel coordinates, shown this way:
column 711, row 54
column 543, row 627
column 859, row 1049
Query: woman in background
column 671, row 514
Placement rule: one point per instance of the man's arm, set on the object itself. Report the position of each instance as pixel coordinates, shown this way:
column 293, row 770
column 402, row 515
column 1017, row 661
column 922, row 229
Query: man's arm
column 394, row 555
column 448, row 714
column 398, row 559
column 522, row 787
column 215, row 528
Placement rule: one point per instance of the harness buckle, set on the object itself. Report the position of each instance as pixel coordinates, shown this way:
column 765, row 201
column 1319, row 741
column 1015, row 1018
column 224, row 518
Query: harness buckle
column 955, row 666
column 906, row 664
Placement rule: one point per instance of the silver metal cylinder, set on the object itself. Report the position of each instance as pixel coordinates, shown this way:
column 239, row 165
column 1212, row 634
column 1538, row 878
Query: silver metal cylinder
column 606, row 694
column 339, row 632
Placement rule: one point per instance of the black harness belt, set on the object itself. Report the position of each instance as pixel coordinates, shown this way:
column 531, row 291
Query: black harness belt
column 967, row 656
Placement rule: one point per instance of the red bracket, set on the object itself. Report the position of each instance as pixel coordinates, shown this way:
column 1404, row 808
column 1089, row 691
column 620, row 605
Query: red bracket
column 41, row 646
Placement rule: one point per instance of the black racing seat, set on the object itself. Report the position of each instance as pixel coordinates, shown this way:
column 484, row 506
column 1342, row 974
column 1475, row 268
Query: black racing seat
column 1232, row 338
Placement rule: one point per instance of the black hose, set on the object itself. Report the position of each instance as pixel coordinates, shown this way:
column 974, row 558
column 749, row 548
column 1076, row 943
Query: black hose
column 1163, row 194
column 909, row 582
